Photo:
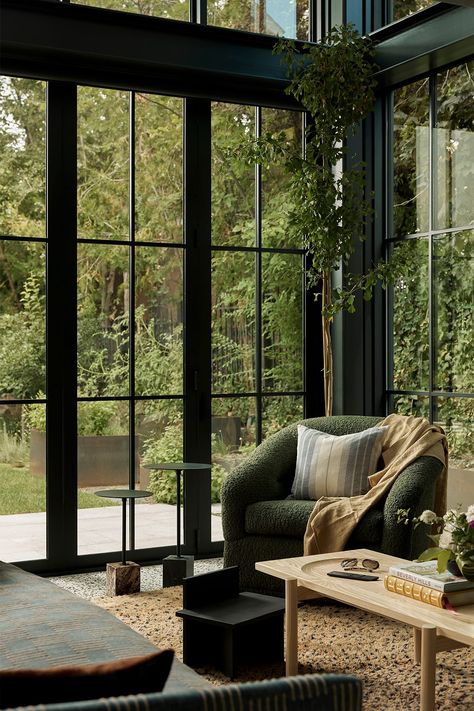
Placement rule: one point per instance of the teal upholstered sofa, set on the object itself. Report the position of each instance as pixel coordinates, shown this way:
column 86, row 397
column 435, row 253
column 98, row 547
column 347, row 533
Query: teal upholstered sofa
column 42, row 625
column 261, row 523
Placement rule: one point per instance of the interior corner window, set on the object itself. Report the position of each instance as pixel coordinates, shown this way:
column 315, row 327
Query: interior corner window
column 411, row 145
column 454, row 147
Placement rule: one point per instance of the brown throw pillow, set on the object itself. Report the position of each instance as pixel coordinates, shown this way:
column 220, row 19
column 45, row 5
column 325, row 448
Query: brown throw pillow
column 136, row 675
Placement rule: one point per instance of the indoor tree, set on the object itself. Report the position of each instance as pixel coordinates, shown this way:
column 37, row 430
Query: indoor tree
column 329, row 206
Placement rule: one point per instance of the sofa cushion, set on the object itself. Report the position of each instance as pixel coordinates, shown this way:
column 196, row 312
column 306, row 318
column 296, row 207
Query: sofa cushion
column 20, row 687
column 287, row 517
column 328, row 465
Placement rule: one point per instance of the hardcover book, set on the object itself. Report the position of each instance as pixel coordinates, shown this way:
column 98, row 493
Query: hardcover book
column 427, row 574
column 428, row 595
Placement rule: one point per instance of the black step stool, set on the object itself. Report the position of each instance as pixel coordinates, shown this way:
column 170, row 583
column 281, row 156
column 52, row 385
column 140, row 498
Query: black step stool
column 224, row 627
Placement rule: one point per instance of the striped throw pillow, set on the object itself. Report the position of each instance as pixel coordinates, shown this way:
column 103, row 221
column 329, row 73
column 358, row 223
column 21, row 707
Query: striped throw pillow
column 328, row 465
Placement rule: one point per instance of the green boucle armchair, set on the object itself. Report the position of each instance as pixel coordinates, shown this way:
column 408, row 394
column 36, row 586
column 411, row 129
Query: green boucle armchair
column 261, row 523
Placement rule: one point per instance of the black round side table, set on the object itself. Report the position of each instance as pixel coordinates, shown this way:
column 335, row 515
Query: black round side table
column 123, row 494
column 123, row 578
column 177, row 567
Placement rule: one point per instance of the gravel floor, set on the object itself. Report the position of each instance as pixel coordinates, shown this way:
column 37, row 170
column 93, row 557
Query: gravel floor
column 92, row 585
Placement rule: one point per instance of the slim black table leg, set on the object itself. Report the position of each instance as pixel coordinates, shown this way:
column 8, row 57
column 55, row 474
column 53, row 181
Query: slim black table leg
column 178, row 504
column 124, row 531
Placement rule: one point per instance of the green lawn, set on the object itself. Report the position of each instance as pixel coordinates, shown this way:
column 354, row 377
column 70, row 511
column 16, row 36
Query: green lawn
column 21, row 492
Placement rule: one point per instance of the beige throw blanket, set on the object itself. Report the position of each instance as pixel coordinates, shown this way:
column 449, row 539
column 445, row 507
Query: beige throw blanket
column 334, row 518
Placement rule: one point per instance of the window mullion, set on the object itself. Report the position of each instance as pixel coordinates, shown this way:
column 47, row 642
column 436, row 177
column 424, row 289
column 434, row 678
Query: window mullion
column 61, row 359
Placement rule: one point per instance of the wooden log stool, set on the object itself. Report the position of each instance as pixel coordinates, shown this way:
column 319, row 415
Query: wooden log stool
column 226, row 628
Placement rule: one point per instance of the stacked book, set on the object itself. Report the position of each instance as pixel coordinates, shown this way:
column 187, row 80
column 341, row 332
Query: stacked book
column 421, row 581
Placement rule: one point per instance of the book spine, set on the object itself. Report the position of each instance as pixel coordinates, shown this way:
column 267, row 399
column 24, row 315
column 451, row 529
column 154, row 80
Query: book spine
column 415, row 591
column 414, row 578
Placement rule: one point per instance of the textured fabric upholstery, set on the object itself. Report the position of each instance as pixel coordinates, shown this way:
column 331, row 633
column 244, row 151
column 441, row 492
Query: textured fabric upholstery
column 311, row 692
column 44, row 625
column 278, row 518
column 256, row 512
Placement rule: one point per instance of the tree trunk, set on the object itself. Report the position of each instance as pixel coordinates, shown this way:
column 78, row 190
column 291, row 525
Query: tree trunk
column 327, row 344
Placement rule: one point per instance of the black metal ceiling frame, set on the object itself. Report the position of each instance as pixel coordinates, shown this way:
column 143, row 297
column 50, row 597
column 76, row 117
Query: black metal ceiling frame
column 46, row 39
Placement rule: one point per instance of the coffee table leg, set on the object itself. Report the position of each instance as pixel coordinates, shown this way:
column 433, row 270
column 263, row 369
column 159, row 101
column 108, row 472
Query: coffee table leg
column 416, row 645
column 428, row 668
column 291, row 627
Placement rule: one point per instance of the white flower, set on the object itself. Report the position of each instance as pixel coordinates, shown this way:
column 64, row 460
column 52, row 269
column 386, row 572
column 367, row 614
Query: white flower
column 428, row 517
column 470, row 513
column 446, row 540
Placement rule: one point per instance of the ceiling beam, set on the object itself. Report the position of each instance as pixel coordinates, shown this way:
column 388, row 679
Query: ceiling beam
column 428, row 41
column 89, row 45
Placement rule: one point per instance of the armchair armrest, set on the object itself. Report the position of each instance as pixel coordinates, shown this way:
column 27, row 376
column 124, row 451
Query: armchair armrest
column 413, row 489
column 265, row 475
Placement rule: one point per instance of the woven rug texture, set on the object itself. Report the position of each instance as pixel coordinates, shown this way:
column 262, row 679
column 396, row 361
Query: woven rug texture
column 332, row 638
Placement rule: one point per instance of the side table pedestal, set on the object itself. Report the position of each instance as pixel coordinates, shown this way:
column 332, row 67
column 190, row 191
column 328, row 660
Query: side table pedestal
column 122, row 579
column 175, row 568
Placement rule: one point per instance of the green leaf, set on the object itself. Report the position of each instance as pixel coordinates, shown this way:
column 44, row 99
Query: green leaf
column 443, row 558
column 429, row 554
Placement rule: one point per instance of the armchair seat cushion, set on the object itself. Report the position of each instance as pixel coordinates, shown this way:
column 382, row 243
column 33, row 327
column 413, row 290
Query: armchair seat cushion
column 288, row 517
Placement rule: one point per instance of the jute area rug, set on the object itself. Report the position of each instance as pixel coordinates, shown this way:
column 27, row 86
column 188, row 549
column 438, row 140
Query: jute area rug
column 332, row 638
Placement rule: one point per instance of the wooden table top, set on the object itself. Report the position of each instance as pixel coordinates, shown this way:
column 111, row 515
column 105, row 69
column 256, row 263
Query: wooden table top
column 311, row 574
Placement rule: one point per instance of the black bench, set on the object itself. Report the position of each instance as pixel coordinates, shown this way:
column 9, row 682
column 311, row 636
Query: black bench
column 225, row 627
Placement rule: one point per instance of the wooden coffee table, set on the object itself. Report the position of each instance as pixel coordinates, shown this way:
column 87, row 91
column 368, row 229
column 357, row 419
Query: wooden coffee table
column 435, row 630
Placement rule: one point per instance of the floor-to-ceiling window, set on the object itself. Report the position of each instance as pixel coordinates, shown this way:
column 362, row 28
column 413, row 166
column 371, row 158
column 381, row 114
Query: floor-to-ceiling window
column 128, row 284
column 431, row 330
column 129, row 303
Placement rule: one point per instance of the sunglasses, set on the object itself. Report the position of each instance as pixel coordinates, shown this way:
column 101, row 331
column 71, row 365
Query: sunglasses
column 366, row 563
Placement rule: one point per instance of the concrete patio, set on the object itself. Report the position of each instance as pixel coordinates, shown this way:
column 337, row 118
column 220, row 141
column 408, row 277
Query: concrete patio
column 23, row 537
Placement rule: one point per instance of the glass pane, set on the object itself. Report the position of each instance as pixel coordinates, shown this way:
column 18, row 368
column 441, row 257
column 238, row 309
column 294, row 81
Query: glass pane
column 159, row 428
column 454, row 147
column 275, row 179
column 233, row 181
column 233, row 322
column 102, row 320
column 278, row 412
column 102, row 463
column 22, row 147
column 158, row 168
column 22, row 320
column 403, row 8
column 411, row 143
column 289, row 18
column 22, row 482
column 233, row 430
column 454, row 311
column 282, row 322
column 102, row 163
column 411, row 316
column 172, row 9
column 159, row 321
column 456, row 417
column 411, row 405
column 233, row 438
